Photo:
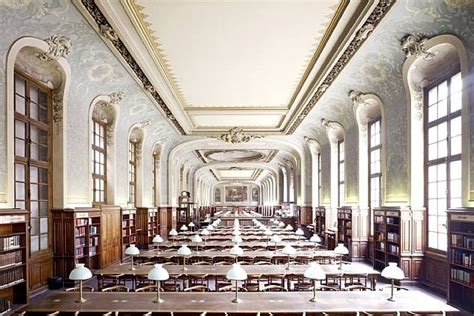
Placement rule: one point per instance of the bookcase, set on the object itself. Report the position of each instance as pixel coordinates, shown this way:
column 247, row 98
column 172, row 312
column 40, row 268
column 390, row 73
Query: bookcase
column 76, row 239
column 147, row 226
column 344, row 228
column 386, row 237
column 461, row 258
column 13, row 258
column 320, row 220
column 129, row 229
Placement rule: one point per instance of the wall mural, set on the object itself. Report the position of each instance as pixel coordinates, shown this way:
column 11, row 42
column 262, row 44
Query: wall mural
column 217, row 195
column 236, row 193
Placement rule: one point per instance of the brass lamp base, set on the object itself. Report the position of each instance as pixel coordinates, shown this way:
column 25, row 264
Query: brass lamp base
column 313, row 300
column 236, row 300
column 81, row 300
column 159, row 300
column 391, row 299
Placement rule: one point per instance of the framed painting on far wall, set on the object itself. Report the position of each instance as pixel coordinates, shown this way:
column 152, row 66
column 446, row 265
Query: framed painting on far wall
column 236, row 193
column 217, row 195
column 255, row 195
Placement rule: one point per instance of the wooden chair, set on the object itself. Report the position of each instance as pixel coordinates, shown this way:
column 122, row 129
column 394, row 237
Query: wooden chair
column 231, row 288
column 201, row 263
column 196, row 288
column 274, row 288
column 252, row 284
column 327, row 288
column 357, row 287
column 273, row 279
column 116, row 288
column 85, row 288
column 108, row 280
column 148, row 288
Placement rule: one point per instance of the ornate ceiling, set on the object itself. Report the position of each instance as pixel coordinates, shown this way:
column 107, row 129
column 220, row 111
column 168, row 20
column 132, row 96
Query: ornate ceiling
column 214, row 65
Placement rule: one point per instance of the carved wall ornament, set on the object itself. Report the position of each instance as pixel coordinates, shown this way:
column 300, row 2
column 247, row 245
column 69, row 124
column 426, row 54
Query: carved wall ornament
column 57, row 108
column 59, row 46
column 116, row 97
column 364, row 31
column 414, row 45
column 108, row 32
column 356, row 97
column 144, row 123
column 237, row 136
column 418, row 103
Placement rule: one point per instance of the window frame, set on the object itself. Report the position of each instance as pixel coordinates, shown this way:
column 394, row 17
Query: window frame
column 448, row 159
column 341, row 197
column 28, row 162
column 132, row 145
column 319, row 179
column 94, row 148
column 371, row 175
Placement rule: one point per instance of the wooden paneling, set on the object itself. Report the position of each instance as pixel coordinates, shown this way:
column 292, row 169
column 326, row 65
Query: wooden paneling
column 435, row 271
column 110, row 235
column 166, row 220
column 306, row 215
column 40, row 269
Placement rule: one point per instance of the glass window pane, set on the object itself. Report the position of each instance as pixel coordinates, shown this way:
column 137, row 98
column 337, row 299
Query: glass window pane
column 442, row 205
column 34, row 226
column 20, row 191
column 432, row 223
column 19, row 172
column 34, row 243
column 43, row 225
column 443, row 90
column 20, row 129
column 20, row 105
column 432, row 240
column 433, row 96
column 442, row 149
column 442, row 108
column 456, row 126
column 456, row 102
column 43, row 175
column 34, row 111
column 19, row 148
column 456, row 145
column 19, row 85
column 34, row 151
column 34, row 94
column 456, row 188
column 43, row 208
column 34, row 209
column 456, row 83
column 432, row 151
column 455, row 169
column 44, row 241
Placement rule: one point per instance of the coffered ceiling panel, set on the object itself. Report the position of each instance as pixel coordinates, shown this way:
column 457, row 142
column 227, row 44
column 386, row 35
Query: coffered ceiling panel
column 226, row 121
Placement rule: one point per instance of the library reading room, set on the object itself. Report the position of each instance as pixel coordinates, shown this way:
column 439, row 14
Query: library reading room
column 237, row 157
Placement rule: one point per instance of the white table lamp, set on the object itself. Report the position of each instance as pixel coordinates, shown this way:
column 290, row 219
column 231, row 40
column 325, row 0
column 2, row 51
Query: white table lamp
column 210, row 227
column 289, row 227
column 132, row 251
column 288, row 250
column 237, row 239
column 275, row 239
column 183, row 228
column 158, row 273
column 281, row 224
column 316, row 240
column 191, row 225
column 236, row 232
column 236, row 273
column 196, row 239
column 236, row 251
column 299, row 232
column 184, row 251
column 392, row 272
column 314, row 272
column 157, row 240
column 80, row 273
column 341, row 250
column 173, row 233
column 205, row 232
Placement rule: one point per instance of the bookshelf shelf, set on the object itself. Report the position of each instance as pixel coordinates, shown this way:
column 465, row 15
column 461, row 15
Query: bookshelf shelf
column 129, row 229
column 461, row 258
column 344, row 228
column 386, row 237
column 14, row 257
column 147, row 225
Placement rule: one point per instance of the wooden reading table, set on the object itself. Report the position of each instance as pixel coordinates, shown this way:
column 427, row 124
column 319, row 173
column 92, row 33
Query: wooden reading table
column 213, row 302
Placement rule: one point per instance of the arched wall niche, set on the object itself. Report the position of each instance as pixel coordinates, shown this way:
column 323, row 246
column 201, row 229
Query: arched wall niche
column 429, row 60
column 45, row 61
column 104, row 108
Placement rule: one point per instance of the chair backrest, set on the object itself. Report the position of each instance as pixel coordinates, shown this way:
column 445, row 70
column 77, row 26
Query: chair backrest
column 196, row 288
column 148, row 288
column 85, row 288
column 116, row 288
column 274, row 288
column 229, row 288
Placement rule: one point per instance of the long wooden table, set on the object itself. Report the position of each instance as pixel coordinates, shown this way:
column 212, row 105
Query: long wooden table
column 315, row 255
column 274, row 302
column 245, row 238
column 331, row 270
column 247, row 244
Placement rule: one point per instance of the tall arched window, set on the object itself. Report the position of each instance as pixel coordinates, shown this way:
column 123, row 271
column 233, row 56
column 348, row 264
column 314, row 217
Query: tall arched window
column 155, row 169
column 375, row 170
column 340, row 172
column 443, row 142
column 319, row 179
column 99, row 162
column 132, row 171
column 33, row 155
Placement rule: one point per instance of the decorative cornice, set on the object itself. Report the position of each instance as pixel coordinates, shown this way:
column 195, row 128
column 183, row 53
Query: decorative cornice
column 108, row 32
column 237, row 136
column 414, row 45
column 361, row 36
column 59, row 46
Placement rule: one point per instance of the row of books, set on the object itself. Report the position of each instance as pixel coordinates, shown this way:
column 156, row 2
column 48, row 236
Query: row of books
column 129, row 224
column 344, row 216
column 81, row 231
column 8, row 243
column 81, row 242
column 81, row 221
column 10, row 219
column 458, row 240
column 93, row 241
column 378, row 219
column 93, row 251
column 380, row 246
column 93, row 230
column 462, row 258
column 10, row 258
column 379, row 236
column 11, row 276
column 462, row 276
column 393, row 220
column 393, row 237
column 393, row 249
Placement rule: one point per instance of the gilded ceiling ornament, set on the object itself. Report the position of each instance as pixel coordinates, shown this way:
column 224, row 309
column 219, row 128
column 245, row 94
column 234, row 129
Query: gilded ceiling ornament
column 59, row 46
column 237, row 136
column 108, row 32
column 414, row 45
column 364, row 31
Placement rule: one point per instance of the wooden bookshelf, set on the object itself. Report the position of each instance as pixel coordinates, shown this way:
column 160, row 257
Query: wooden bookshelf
column 14, row 249
column 386, row 238
column 76, row 239
column 461, row 258
column 129, row 228
column 320, row 220
column 148, row 226
column 344, row 228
